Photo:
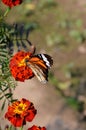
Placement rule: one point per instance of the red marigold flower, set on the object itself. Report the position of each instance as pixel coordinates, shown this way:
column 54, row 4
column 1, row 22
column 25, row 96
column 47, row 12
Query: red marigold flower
column 20, row 112
column 18, row 67
column 12, row 3
column 34, row 127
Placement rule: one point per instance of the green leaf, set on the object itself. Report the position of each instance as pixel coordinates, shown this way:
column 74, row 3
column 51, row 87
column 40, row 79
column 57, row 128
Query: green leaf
column 5, row 89
column 1, row 97
column 13, row 100
column 3, row 104
column 8, row 95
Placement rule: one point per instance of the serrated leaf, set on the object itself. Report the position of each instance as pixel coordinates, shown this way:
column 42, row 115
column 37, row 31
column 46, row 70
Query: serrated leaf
column 24, row 46
column 8, row 95
column 5, row 89
column 1, row 97
column 3, row 104
column 13, row 100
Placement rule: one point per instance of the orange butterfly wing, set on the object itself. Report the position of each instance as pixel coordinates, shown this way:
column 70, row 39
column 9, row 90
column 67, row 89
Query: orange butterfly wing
column 40, row 64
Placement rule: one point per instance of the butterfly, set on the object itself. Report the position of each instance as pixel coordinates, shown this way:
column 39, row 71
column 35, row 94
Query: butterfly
column 40, row 64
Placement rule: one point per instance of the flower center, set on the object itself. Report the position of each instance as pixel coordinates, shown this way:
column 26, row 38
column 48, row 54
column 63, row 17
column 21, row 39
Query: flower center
column 20, row 108
column 22, row 62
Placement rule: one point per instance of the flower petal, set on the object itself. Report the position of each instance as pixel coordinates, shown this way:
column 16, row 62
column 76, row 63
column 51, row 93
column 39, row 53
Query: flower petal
column 17, row 121
column 19, row 70
column 12, row 3
column 34, row 127
column 20, row 112
column 31, row 114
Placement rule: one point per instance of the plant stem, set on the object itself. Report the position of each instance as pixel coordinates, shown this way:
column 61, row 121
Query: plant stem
column 7, row 11
column 21, row 128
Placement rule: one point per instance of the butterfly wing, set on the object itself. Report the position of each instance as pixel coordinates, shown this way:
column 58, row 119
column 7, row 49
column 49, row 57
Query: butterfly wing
column 40, row 74
column 48, row 61
column 40, row 64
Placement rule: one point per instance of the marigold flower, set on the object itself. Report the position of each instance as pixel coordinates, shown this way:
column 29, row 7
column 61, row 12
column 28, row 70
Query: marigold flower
column 20, row 71
column 20, row 112
column 12, row 3
column 34, row 127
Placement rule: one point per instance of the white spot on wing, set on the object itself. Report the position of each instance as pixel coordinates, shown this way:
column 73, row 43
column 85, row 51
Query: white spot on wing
column 46, row 60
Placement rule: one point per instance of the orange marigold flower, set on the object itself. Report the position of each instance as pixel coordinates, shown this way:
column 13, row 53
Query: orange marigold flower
column 18, row 67
column 12, row 3
column 34, row 127
column 20, row 112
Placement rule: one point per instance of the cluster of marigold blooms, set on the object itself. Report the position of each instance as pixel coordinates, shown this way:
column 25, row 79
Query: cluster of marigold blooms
column 20, row 112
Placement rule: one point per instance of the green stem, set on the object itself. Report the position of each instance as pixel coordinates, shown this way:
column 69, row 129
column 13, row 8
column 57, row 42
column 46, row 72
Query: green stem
column 7, row 11
column 21, row 128
column 10, row 128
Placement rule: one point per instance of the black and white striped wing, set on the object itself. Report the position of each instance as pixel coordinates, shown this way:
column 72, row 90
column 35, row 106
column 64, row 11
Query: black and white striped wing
column 40, row 65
